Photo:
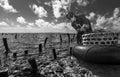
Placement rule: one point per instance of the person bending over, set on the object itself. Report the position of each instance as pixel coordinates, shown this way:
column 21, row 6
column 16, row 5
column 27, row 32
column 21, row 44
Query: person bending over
column 80, row 23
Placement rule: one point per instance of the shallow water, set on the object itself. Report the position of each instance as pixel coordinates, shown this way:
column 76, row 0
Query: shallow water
column 102, row 70
column 31, row 41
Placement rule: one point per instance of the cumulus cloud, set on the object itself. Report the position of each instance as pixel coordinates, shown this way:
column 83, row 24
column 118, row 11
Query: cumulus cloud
column 30, row 25
column 61, row 7
column 47, row 3
column 3, row 24
column 41, row 23
column 38, row 10
column 91, row 16
column 26, row 24
column 63, row 25
column 116, row 12
column 7, row 7
column 21, row 20
column 101, row 20
column 60, row 26
column 109, row 23
column 56, row 8
column 51, row 26
column 82, row 2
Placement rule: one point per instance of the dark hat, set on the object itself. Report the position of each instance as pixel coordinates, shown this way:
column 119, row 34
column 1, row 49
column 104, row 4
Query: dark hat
column 70, row 15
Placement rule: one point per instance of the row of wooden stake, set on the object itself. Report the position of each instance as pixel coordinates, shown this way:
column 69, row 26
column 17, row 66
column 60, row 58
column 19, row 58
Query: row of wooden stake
column 31, row 61
column 26, row 51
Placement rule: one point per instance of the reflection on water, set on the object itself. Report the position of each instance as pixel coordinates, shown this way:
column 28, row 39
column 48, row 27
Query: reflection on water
column 102, row 70
column 30, row 42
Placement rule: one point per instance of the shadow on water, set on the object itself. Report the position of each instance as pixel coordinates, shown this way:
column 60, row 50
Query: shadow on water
column 97, row 69
column 102, row 70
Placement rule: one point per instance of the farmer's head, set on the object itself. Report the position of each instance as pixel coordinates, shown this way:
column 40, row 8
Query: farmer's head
column 70, row 16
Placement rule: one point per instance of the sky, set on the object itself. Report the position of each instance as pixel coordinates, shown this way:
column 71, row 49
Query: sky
column 49, row 15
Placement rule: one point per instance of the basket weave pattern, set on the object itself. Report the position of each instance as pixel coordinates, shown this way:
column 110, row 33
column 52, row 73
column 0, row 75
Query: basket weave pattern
column 100, row 39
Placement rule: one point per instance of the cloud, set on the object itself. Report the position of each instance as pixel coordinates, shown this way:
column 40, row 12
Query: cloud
column 91, row 16
column 61, row 7
column 21, row 20
column 101, row 20
column 38, row 10
column 60, row 26
column 3, row 24
column 109, row 23
column 41, row 23
column 85, row 2
column 30, row 25
column 56, row 8
column 82, row 2
column 63, row 25
column 7, row 7
column 116, row 12
column 24, row 23
column 47, row 3
column 51, row 26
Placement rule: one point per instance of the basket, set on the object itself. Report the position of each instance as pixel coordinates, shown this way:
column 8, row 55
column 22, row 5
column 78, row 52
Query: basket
column 100, row 38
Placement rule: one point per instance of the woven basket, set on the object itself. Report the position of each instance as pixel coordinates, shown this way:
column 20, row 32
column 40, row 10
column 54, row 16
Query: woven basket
column 100, row 39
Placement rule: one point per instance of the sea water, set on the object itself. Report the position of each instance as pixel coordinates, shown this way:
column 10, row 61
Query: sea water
column 30, row 41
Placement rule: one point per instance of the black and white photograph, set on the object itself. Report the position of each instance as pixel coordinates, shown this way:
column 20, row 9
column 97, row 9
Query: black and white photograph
column 59, row 38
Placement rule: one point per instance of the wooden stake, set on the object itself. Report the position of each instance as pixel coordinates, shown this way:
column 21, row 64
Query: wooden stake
column 70, row 51
column 45, row 41
column 33, row 64
column 6, row 46
column 14, row 55
column 61, row 40
column 40, row 48
column 54, row 54
column 26, row 52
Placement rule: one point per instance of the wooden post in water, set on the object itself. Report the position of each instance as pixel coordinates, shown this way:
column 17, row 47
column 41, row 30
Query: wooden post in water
column 54, row 54
column 70, row 51
column 15, row 55
column 34, row 71
column 16, row 36
column 6, row 46
column 61, row 40
column 45, row 41
column 40, row 48
column 26, row 52
column 7, row 50
column 33, row 64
